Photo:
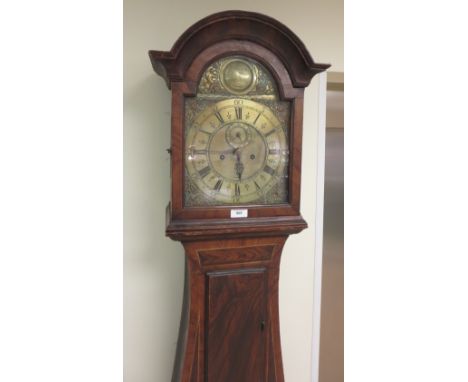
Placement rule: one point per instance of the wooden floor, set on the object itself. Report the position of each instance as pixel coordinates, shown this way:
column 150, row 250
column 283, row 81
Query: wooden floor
column 331, row 332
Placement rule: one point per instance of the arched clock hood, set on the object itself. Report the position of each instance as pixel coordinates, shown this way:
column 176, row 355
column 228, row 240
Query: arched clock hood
column 237, row 25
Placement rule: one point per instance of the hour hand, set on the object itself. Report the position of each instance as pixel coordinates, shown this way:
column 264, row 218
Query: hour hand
column 239, row 166
column 227, row 151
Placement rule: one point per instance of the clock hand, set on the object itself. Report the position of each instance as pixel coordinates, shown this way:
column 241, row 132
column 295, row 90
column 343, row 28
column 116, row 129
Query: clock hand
column 239, row 166
column 228, row 151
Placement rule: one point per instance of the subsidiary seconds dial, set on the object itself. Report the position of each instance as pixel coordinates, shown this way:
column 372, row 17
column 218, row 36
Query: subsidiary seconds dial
column 236, row 151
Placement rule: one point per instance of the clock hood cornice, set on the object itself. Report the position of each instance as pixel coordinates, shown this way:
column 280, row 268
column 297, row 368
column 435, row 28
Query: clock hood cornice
column 237, row 25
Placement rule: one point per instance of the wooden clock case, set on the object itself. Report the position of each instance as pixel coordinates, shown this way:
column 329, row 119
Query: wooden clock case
column 230, row 319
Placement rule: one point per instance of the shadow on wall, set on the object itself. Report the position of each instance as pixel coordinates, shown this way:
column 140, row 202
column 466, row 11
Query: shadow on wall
column 153, row 264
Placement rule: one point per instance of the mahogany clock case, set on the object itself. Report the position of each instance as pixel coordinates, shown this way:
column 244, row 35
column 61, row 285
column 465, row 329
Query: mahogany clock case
column 230, row 318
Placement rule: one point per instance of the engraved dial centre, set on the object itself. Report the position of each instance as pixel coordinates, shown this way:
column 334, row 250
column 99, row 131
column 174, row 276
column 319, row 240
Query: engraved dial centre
column 243, row 152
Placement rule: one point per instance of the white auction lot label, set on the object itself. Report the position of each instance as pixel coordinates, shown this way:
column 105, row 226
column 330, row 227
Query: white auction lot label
column 239, row 213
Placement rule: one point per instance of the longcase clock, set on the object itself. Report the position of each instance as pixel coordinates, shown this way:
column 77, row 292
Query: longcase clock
column 237, row 81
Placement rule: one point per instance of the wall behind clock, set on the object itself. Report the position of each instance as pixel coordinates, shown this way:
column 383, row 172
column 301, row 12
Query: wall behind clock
column 153, row 264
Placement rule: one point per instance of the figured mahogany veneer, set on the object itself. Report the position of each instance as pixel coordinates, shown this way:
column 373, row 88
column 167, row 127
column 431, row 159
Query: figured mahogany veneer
column 230, row 320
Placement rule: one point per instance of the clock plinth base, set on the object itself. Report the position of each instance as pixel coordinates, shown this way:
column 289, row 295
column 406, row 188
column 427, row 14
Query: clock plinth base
column 230, row 319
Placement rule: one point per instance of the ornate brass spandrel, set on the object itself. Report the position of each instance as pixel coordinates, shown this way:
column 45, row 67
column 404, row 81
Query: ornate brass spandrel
column 236, row 137
column 193, row 196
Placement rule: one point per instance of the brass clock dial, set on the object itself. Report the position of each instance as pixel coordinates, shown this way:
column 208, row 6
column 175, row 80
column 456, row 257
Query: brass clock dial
column 236, row 151
column 236, row 138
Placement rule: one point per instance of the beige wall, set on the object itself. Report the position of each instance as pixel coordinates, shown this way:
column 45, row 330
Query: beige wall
column 153, row 264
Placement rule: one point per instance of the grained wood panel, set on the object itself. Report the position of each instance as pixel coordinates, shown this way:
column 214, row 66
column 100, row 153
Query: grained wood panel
column 236, row 321
column 236, row 255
